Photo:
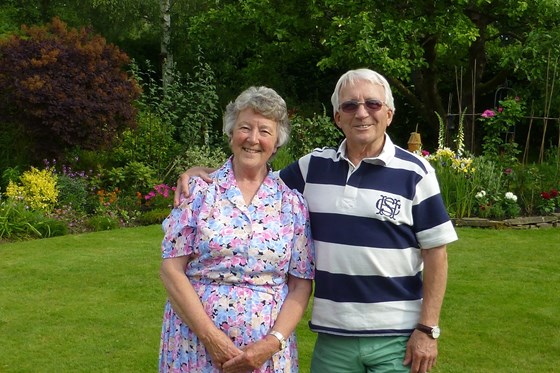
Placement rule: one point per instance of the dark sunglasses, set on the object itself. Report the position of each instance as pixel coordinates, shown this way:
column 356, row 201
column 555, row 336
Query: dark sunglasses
column 353, row 105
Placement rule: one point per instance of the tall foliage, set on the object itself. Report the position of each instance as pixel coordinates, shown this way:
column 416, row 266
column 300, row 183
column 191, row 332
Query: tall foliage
column 66, row 87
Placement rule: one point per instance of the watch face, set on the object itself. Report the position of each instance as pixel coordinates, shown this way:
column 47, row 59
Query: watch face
column 435, row 332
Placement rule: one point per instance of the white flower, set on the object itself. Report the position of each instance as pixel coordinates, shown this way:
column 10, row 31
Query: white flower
column 511, row 196
column 480, row 194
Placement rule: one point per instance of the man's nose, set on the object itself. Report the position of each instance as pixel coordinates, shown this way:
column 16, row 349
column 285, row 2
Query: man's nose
column 362, row 111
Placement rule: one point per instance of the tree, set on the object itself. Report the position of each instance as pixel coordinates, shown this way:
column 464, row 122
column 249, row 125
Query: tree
column 257, row 42
column 425, row 47
column 65, row 88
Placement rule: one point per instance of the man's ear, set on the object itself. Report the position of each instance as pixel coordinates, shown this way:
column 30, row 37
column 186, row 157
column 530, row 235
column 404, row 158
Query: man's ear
column 337, row 119
column 389, row 117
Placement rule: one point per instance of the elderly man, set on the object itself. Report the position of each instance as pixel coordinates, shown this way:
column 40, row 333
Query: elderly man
column 380, row 229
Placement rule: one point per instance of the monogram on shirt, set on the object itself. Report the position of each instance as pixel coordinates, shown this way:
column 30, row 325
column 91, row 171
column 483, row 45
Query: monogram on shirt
column 388, row 206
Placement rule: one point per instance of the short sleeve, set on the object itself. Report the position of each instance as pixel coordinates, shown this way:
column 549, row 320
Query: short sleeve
column 302, row 262
column 180, row 225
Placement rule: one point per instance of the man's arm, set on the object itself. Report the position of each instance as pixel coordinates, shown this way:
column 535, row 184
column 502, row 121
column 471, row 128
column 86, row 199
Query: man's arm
column 183, row 181
column 435, row 283
column 421, row 350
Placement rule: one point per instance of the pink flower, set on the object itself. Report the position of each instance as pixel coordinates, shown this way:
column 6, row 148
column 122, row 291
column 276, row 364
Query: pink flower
column 500, row 109
column 488, row 113
column 425, row 153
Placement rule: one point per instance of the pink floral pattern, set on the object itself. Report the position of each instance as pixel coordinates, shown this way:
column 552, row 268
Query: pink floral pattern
column 241, row 255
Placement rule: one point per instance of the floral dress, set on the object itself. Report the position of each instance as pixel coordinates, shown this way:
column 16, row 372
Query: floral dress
column 240, row 258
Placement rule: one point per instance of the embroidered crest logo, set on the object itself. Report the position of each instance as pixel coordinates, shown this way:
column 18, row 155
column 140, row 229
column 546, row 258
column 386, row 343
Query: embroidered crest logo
column 387, row 206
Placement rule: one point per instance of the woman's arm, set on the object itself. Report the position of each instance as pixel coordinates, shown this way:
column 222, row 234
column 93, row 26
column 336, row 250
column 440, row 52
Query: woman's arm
column 256, row 354
column 187, row 305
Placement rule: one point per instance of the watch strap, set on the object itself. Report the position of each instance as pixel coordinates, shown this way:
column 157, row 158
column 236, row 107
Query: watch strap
column 280, row 338
column 429, row 330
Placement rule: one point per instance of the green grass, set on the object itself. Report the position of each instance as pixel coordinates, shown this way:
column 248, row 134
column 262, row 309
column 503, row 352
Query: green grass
column 93, row 303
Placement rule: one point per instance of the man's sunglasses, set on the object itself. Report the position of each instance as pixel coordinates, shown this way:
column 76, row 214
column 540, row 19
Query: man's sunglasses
column 353, row 105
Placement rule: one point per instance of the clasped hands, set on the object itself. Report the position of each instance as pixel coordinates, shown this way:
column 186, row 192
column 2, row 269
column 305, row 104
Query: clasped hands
column 232, row 359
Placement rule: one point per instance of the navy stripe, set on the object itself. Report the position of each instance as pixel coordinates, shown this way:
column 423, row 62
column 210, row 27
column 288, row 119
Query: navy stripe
column 291, row 176
column 318, row 328
column 367, row 289
column 327, row 171
column 409, row 157
column 430, row 213
column 385, row 179
column 361, row 231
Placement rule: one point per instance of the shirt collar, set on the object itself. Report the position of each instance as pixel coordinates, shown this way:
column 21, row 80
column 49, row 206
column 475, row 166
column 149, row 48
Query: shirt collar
column 386, row 155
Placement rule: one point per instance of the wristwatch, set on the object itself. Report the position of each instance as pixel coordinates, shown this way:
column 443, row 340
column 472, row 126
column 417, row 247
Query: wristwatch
column 280, row 338
column 432, row 331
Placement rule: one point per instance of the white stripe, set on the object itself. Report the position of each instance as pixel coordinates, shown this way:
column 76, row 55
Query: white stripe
column 436, row 236
column 367, row 261
column 366, row 316
column 349, row 200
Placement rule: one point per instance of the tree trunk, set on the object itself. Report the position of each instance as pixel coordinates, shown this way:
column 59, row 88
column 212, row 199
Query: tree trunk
column 166, row 55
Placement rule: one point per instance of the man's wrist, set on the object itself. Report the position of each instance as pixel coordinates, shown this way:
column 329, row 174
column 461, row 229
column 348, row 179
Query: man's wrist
column 432, row 331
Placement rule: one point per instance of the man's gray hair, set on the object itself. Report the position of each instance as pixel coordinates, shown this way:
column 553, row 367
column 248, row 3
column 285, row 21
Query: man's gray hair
column 352, row 76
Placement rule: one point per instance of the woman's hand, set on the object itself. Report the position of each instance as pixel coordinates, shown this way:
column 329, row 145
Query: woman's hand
column 220, row 347
column 187, row 305
column 253, row 356
column 183, row 181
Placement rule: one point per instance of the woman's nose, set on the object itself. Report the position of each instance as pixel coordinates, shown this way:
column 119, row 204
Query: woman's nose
column 253, row 136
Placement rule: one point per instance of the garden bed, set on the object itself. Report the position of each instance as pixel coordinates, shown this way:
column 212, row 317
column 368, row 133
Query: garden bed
column 531, row 222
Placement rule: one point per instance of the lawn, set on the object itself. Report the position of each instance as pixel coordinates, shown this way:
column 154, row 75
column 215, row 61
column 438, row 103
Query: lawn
column 93, row 303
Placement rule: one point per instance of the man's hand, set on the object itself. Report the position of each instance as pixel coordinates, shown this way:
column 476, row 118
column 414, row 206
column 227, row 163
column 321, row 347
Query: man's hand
column 183, row 181
column 421, row 352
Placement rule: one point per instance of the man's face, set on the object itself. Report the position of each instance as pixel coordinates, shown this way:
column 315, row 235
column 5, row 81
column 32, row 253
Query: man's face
column 365, row 127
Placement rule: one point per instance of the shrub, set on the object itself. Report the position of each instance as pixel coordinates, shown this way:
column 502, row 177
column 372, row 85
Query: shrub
column 155, row 216
column 456, row 176
column 549, row 202
column 73, row 192
column 498, row 124
column 102, row 223
column 196, row 156
column 310, row 133
column 73, row 219
column 282, row 158
column 160, row 197
column 37, row 189
column 66, row 87
column 17, row 221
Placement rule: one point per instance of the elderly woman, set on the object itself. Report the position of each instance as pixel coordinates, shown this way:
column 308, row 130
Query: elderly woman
column 238, row 255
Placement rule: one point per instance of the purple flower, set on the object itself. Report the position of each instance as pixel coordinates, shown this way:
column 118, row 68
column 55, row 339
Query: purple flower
column 488, row 113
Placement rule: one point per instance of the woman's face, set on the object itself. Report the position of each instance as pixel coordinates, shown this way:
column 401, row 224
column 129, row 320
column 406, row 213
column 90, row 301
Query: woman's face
column 253, row 139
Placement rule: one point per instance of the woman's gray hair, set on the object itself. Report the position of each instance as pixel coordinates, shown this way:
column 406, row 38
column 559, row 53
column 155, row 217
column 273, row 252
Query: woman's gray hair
column 353, row 76
column 265, row 101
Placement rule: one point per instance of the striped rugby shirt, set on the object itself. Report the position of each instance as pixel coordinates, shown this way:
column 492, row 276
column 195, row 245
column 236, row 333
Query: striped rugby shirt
column 368, row 224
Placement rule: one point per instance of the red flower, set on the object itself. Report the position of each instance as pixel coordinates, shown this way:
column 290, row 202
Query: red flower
column 554, row 193
column 545, row 195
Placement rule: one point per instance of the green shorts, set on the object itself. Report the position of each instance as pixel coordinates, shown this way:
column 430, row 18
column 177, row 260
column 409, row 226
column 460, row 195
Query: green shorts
column 337, row 354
